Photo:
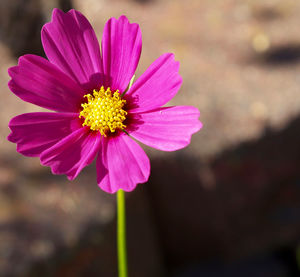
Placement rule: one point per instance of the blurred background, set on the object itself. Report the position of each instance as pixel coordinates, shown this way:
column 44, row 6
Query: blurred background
column 227, row 205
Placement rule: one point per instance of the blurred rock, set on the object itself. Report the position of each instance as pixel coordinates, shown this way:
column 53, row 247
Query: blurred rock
column 280, row 55
column 254, row 206
column 144, row 1
column 233, row 193
column 21, row 22
column 258, row 266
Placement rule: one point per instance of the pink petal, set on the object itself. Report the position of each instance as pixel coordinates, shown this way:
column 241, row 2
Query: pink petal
column 37, row 81
column 36, row 132
column 158, row 85
column 166, row 129
column 121, row 164
column 70, row 43
column 121, row 50
column 70, row 155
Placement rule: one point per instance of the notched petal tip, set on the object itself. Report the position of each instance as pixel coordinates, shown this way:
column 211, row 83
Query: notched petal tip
column 28, row 58
column 11, row 138
column 125, row 20
column 70, row 43
column 12, row 70
column 73, row 11
column 71, row 154
column 11, row 84
column 156, row 86
column 115, row 190
column 199, row 126
column 121, row 50
column 168, row 128
column 122, row 164
column 54, row 17
column 122, row 19
column 170, row 57
column 55, row 13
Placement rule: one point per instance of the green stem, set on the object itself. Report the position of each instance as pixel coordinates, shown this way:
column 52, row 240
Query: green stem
column 121, row 234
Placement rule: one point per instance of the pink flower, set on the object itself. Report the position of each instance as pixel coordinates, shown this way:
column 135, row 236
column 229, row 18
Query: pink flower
column 92, row 113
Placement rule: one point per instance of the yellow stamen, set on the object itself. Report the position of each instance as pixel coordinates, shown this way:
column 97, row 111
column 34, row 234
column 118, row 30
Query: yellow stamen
column 103, row 111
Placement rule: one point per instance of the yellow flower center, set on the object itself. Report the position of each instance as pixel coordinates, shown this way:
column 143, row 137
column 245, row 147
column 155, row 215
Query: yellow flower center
column 103, row 111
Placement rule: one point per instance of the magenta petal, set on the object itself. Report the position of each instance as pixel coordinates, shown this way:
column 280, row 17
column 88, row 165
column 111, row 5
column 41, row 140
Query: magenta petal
column 121, row 50
column 166, row 129
column 70, row 155
column 158, row 85
column 121, row 164
column 70, row 42
column 36, row 132
column 37, row 81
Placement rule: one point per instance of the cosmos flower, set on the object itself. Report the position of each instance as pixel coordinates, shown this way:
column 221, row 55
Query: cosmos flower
column 93, row 111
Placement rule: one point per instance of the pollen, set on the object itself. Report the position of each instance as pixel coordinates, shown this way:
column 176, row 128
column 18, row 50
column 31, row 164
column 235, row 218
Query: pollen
column 103, row 111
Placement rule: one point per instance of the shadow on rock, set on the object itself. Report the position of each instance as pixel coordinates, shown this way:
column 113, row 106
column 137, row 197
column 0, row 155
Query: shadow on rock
column 281, row 55
column 243, row 202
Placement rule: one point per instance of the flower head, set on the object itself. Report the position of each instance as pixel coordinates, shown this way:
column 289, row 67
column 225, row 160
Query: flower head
column 93, row 113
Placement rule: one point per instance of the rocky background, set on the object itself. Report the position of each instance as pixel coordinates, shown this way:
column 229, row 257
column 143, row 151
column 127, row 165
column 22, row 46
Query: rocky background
column 227, row 205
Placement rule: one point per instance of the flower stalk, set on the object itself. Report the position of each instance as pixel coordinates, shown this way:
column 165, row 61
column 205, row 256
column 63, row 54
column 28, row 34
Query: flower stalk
column 121, row 233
